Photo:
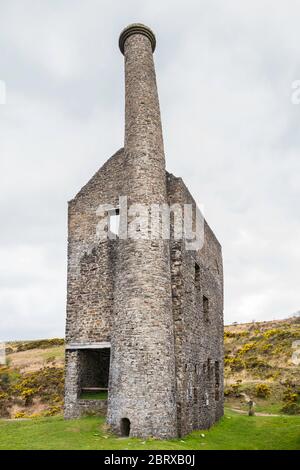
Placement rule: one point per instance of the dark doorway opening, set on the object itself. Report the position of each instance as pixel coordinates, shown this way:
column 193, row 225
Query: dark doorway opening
column 94, row 373
column 125, row 427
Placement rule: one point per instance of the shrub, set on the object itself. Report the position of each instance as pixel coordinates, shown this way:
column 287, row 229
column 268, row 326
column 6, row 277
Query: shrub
column 255, row 363
column 36, row 415
column 238, row 334
column 262, row 390
column 53, row 410
column 4, row 379
column 235, row 363
column 242, row 334
column 291, row 408
column 273, row 332
column 229, row 334
column 4, row 405
column 7, row 377
column 289, row 396
column 233, row 390
column 274, row 375
column 48, row 383
column 245, row 348
column 27, row 395
column 20, row 414
column 266, row 347
column 281, row 334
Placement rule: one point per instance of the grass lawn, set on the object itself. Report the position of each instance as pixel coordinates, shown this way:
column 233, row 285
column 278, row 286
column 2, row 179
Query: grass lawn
column 234, row 431
column 261, row 406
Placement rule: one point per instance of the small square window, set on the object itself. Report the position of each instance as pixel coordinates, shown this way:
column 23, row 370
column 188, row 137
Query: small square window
column 197, row 274
column 114, row 221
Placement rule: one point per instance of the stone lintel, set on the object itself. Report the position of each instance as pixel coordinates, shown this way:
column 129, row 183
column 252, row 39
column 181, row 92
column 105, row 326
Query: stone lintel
column 100, row 345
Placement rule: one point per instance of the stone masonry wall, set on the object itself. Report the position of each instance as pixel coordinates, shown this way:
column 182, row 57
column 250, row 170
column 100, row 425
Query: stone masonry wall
column 74, row 406
column 91, row 263
column 198, row 340
column 142, row 381
column 198, row 344
column 143, row 297
column 91, row 266
column 84, row 368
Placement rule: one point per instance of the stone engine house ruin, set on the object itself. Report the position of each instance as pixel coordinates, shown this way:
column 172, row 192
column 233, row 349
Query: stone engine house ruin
column 144, row 321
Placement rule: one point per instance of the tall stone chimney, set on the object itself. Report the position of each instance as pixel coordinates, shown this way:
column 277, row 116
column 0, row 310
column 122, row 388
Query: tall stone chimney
column 142, row 373
column 143, row 131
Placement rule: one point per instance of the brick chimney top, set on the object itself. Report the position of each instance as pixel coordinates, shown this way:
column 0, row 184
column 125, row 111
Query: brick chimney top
column 136, row 28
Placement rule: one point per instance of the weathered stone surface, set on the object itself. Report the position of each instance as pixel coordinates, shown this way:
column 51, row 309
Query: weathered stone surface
column 147, row 298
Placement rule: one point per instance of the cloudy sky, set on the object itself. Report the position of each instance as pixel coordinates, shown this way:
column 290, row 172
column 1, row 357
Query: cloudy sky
column 225, row 72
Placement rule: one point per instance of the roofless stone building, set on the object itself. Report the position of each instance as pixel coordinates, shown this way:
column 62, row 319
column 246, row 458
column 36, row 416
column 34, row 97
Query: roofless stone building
column 144, row 312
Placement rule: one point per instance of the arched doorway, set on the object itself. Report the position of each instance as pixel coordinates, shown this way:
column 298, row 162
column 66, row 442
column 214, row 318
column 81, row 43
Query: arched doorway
column 125, row 427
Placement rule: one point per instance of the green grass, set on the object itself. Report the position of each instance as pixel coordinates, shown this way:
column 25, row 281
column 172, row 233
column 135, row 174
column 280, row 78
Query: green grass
column 268, row 407
column 94, row 395
column 232, row 432
column 261, row 405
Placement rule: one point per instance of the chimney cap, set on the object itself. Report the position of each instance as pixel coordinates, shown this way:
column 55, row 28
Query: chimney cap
column 136, row 28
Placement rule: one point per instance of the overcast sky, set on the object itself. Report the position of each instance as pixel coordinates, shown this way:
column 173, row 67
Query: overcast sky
column 225, row 72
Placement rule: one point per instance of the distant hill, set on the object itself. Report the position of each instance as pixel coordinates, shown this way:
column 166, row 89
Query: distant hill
column 262, row 363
